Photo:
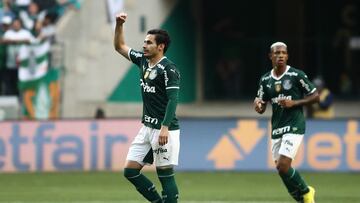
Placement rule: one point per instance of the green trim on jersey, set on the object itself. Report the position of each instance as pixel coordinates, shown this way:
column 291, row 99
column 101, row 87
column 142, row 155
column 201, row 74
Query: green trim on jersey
column 160, row 86
column 294, row 85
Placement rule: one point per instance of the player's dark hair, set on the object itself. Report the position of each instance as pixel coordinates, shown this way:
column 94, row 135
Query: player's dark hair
column 161, row 37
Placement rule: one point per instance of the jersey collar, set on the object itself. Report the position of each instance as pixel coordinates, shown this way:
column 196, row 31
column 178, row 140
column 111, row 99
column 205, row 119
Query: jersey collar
column 156, row 62
column 278, row 78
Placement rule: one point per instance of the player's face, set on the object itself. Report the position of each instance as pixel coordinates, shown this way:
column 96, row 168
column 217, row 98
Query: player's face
column 150, row 48
column 279, row 56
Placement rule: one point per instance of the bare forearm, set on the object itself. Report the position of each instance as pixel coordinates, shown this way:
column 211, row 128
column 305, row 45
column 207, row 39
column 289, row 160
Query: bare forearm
column 119, row 42
column 313, row 98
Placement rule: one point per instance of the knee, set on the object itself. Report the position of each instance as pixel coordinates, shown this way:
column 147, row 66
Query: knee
column 164, row 169
column 282, row 167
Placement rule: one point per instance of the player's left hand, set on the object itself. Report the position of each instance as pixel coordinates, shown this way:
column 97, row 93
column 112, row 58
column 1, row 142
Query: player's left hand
column 286, row 103
column 164, row 135
column 259, row 105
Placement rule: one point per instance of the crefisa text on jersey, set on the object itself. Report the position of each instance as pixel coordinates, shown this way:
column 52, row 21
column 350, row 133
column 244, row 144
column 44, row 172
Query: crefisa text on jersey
column 146, row 87
column 275, row 100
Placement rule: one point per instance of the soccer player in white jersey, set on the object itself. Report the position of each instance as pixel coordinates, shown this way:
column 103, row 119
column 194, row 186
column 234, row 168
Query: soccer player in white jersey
column 288, row 90
column 159, row 138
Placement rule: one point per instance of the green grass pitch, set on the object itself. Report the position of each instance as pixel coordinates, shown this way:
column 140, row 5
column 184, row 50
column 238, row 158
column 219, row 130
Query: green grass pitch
column 195, row 187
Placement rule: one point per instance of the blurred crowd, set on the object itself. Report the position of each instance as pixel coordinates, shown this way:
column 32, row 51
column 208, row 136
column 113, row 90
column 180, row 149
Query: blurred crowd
column 23, row 23
column 324, row 109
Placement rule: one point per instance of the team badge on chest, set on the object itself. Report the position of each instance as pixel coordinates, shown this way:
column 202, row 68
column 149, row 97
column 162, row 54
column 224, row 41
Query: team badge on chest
column 153, row 74
column 287, row 84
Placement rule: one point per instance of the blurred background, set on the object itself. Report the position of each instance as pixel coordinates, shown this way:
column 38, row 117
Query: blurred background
column 69, row 102
column 221, row 50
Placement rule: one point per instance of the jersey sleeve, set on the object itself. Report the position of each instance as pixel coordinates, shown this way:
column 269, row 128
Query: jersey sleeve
column 261, row 93
column 172, row 86
column 172, row 77
column 136, row 56
column 307, row 86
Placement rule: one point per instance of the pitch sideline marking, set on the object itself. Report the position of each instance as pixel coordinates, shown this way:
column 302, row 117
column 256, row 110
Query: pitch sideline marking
column 126, row 201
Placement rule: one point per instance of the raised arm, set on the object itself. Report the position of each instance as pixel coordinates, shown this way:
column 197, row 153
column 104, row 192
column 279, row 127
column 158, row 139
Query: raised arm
column 119, row 42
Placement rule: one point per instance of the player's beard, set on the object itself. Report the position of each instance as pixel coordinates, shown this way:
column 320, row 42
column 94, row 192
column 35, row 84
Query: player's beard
column 148, row 54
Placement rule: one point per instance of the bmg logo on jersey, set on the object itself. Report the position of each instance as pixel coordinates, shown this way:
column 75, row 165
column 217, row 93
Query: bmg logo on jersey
column 146, row 87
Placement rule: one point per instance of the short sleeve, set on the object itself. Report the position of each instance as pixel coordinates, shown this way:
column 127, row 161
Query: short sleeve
column 307, row 86
column 261, row 94
column 135, row 56
column 172, row 77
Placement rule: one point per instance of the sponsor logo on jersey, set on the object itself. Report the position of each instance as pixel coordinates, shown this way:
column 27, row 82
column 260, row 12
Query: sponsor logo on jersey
column 281, row 130
column 266, row 78
column 275, row 100
column 287, row 84
column 161, row 66
column 291, row 73
column 159, row 151
column 149, row 119
column 260, row 92
column 153, row 74
column 288, row 142
column 146, row 87
column 166, row 78
column 136, row 54
column 268, row 86
column 305, row 85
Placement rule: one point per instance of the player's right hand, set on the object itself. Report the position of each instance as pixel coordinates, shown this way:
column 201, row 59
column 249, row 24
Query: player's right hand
column 121, row 18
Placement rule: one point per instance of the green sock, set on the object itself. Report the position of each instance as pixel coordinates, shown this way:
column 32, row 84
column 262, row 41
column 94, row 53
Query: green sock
column 293, row 191
column 295, row 179
column 142, row 184
column 167, row 178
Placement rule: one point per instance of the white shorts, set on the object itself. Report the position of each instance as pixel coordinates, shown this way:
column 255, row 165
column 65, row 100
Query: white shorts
column 145, row 148
column 287, row 145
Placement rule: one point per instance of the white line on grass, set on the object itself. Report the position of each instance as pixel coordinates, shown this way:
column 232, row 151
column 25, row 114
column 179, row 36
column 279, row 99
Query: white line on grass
column 130, row 201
